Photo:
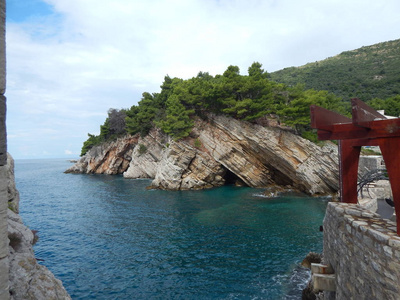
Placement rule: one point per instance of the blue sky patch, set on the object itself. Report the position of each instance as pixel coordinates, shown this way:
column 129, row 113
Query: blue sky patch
column 20, row 11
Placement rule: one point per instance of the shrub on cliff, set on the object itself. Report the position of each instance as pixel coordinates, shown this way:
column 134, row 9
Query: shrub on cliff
column 113, row 126
column 89, row 143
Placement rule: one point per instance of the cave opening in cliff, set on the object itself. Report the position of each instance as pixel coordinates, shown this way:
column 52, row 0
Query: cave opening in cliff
column 280, row 178
column 232, row 179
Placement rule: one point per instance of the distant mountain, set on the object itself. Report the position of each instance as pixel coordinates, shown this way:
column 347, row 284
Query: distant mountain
column 368, row 72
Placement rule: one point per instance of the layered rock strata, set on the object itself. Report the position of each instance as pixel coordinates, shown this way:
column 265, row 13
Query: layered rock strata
column 222, row 150
column 108, row 158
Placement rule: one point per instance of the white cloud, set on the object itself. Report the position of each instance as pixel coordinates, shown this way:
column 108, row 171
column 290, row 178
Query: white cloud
column 65, row 70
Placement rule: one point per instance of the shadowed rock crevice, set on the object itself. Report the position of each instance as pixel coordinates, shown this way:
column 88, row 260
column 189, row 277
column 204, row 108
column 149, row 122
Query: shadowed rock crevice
column 231, row 178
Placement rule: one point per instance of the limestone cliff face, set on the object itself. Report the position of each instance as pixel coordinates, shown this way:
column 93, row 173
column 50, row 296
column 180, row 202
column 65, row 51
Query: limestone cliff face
column 108, row 158
column 269, row 155
column 28, row 279
column 146, row 155
column 222, row 150
column 183, row 167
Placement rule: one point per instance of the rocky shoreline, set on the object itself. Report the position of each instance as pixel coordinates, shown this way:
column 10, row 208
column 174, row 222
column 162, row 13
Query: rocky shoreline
column 27, row 278
column 220, row 150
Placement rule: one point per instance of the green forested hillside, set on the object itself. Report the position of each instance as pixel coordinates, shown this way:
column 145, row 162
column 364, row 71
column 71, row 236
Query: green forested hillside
column 366, row 73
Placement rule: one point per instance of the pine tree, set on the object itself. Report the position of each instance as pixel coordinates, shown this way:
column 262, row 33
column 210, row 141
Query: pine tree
column 177, row 122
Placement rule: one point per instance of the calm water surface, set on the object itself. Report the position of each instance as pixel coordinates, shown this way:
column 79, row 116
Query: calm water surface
column 107, row 237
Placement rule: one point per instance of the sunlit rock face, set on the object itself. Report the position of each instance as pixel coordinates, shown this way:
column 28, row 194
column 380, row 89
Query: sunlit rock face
column 261, row 156
column 147, row 155
column 184, row 167
column 218, row 151
column 108, row 158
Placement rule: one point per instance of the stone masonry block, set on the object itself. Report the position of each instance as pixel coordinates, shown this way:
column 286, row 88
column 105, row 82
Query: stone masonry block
column 353, row 212
column 368, row 215
column 394, row 267
column 388, row 251
column 368, row 241
column 378, row 236
column 376, row 266
column 391, row 276
column 394, row 242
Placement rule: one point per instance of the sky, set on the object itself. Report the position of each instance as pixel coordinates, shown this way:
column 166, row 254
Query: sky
column 69, row 61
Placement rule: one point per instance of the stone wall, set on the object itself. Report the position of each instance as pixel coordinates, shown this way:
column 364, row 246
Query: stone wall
column 4, row 294
column 364, row 252
column 370, row 163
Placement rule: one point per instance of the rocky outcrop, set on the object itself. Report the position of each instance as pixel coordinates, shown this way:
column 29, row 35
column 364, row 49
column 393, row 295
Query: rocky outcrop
column 222, row 150
column 108, row 158
column 12, row 192
column 261, row 156
column 27, row 278
column 146, row 155
column 184, row 167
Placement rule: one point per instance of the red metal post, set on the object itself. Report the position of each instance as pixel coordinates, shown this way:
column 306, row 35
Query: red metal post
column 367, row 127
column 348, row 167
column 390, row 152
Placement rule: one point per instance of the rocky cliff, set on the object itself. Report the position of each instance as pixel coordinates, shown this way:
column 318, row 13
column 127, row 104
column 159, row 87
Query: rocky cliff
column 220, row 150
column 108, row 158
column 28, row 279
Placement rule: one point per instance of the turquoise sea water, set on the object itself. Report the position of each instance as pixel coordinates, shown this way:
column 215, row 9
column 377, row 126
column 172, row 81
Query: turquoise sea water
column 107, row 237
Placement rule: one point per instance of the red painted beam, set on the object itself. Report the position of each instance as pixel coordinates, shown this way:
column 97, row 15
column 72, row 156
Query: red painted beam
column 322, row 118
column 377, row 129
column 367, row 128
column 363, row 114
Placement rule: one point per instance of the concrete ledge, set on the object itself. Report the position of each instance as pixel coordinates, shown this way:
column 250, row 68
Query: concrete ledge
column 324, row 282
column 321, row 269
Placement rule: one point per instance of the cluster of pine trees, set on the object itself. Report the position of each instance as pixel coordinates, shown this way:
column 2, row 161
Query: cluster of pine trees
column 246, row 97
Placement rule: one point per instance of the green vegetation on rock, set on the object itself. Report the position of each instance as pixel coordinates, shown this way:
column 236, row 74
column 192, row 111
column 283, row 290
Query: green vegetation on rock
column 113, row 127
column 246, row 97
column 369, row 73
